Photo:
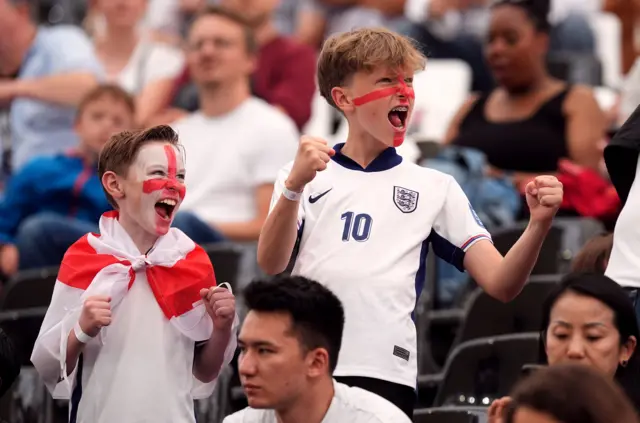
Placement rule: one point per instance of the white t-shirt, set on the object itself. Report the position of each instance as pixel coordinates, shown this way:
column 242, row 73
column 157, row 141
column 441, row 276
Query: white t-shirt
column 624, row 263
column 349, row 405
column 149, row 63
column 365, row 235
column 229, row 156
column 140, row 337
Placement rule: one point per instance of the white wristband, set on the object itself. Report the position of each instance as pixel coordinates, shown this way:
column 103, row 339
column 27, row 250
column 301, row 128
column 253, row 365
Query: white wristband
column 291, row 195
column 82, row 337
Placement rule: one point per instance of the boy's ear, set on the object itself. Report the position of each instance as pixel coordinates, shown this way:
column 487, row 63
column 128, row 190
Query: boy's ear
column 112, row 185
column 340, row 98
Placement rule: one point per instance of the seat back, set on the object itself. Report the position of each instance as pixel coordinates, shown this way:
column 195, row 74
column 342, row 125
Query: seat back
column 549, row 258
column 487, row 316
column 440, row 89
column 27, row 289
column 226, row 259
column 449, row 415
column 481, row 370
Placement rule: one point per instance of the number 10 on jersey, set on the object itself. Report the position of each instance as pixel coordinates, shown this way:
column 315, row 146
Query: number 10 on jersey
column 356, row 226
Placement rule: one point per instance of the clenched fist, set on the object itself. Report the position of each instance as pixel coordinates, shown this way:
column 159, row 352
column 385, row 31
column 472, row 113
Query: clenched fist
column 96, row 313
column 312, row 157
column 221, row 306
column 544, row 197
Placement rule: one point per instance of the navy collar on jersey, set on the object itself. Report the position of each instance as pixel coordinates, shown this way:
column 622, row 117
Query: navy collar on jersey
column 388, row 159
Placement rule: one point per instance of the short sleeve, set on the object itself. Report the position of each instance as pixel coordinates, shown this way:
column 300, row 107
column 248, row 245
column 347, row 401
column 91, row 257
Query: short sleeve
column 457, row 227
column 276, row 146
column 163, row 62
column 279, row 187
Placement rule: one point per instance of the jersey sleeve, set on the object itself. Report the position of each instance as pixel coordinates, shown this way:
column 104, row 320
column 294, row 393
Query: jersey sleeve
column 277, row 192
column 456, row 228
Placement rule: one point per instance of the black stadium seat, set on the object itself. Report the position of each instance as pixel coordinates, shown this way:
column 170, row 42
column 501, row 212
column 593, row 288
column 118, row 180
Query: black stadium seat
column 450, row 415
column 226, row 259
column 483, row 369
column 485, row 316
column 23, row 304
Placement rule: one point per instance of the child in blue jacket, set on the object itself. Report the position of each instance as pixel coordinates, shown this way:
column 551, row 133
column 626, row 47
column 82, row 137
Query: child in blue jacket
column 54, row 200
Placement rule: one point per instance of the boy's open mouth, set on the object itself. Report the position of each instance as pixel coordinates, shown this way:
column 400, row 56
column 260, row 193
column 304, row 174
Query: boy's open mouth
column 398, row 117
column 164, row 208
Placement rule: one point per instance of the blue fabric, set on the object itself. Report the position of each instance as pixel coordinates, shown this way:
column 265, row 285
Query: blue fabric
column 199, row 231
column 59, row 185
column 39, row 128
column 43, row 238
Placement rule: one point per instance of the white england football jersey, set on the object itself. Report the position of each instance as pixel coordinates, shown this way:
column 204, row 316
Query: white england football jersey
column 365, row 235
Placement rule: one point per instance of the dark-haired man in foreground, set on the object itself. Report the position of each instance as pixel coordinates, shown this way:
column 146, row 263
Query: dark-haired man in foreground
column 289, row 344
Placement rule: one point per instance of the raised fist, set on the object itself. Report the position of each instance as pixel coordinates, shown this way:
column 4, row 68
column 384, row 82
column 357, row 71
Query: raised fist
column 221, row 306
column 96, row 313
column 312, row 157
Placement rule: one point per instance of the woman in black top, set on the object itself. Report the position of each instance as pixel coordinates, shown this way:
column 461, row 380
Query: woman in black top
column 531, row 121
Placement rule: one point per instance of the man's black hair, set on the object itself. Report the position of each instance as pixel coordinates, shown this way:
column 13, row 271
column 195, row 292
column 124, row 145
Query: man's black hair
column 316, row 313
column 537, row 11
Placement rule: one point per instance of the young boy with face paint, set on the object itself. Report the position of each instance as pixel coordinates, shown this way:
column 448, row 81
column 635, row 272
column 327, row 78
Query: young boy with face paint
column 137, row 328
column 364, row 218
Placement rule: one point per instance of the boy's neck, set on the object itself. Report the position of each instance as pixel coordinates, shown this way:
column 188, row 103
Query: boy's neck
column 142, row 239
column 362, row 148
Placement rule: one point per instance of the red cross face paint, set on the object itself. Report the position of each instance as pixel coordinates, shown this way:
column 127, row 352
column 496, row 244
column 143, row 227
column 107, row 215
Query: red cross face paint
column 401, row 105
column 160, row 168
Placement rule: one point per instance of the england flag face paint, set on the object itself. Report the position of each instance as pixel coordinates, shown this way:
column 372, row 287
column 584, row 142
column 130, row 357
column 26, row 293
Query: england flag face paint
column 160, row 169
column 402, row 97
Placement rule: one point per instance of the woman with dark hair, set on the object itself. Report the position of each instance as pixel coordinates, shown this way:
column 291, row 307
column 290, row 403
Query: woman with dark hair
column 569, row 394
column 531, row 121
column 594, row 255
column 589, row 319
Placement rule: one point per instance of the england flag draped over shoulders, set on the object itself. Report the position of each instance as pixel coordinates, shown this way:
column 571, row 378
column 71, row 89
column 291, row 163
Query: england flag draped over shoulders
column 176, row 269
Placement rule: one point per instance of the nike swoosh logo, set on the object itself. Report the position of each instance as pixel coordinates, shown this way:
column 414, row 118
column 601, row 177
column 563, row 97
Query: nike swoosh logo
column 313, row 199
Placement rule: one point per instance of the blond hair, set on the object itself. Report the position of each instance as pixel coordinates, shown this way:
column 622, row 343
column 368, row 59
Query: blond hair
column 364, row 49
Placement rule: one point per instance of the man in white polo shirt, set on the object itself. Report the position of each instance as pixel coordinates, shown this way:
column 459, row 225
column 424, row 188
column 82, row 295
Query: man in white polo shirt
column 365, row 217
column 289, row 345
column 236, row 143
column 621, row 157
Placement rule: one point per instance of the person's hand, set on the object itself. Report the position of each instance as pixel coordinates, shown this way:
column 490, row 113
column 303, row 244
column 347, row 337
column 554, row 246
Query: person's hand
column 8, row 91
column 544, row 197
column 221, row 306
column 312, row 157
column 497, row 410
column 9, row 259
column 96, row 314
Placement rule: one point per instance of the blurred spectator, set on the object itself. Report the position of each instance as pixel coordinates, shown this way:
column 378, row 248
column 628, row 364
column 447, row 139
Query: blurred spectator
column 284, row 75
column 52, row 201
column 44, row 73
column 594, row 255
column 143, row 67
column 236, row 143
column 286, row 69
column 456, row 29
column 531, row 121
column 318, row 19
column 569, row 394
column 9, row 363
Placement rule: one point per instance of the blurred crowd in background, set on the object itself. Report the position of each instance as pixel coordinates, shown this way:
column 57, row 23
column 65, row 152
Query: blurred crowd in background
column 238, row 84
